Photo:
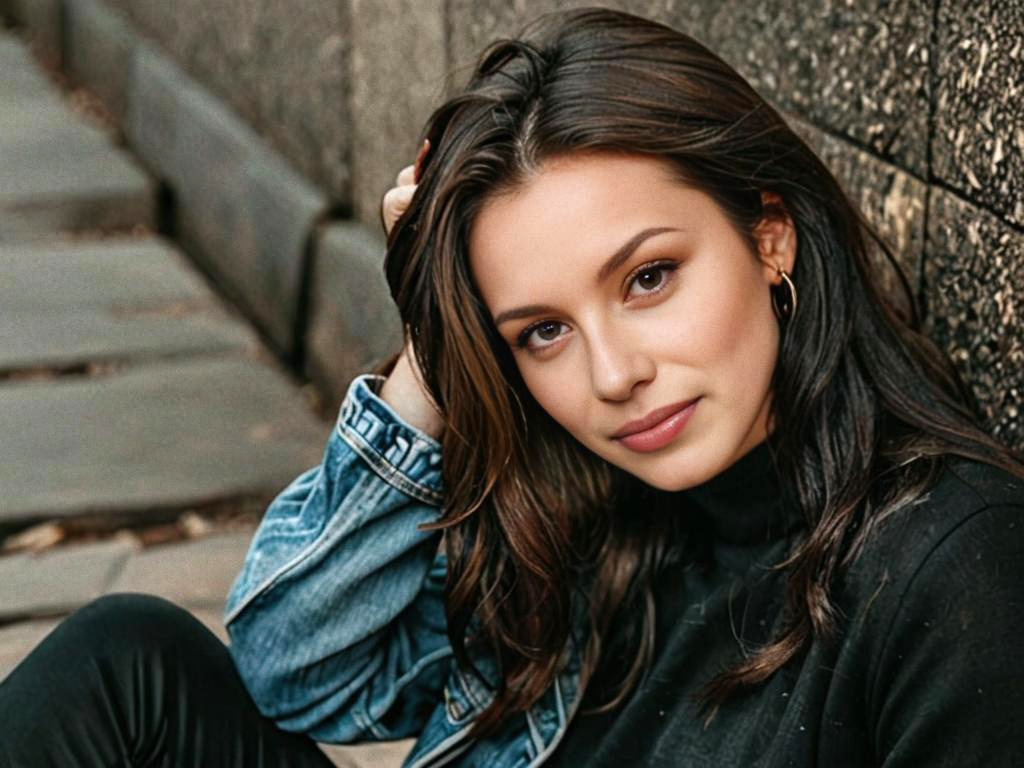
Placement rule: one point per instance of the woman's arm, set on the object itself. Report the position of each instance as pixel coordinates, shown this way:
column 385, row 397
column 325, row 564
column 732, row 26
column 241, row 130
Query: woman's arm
column 404, row 391
column 336, row 620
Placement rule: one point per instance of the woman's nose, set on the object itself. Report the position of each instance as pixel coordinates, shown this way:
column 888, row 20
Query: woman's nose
column 617, row 365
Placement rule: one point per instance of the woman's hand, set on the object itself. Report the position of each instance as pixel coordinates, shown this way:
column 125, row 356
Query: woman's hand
column 404, row 389
column 396, row 200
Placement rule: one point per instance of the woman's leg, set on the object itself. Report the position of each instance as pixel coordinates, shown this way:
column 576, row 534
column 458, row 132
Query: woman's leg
column 134, row 680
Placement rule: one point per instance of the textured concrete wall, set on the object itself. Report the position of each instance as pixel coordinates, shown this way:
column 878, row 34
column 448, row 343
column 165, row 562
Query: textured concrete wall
column 915, row 104
column 282, row 65
column 41, row 22
column 398, row 68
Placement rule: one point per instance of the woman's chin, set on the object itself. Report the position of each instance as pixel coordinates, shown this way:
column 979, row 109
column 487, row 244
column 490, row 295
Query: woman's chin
column 673, row 470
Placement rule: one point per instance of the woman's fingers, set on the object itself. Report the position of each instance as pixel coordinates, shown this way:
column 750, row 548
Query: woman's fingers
column 396, row 201
column 406, row 176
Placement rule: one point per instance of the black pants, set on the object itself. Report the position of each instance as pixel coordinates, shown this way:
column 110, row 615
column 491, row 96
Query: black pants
column 134, row 680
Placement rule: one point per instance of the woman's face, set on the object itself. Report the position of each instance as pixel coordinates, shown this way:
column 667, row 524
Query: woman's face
column 625, row 294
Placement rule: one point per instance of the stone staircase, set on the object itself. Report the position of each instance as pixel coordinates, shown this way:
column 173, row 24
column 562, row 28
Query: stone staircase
column 143, row 424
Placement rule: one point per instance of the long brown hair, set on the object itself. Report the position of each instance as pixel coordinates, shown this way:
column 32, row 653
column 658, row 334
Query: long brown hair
column 865, row 407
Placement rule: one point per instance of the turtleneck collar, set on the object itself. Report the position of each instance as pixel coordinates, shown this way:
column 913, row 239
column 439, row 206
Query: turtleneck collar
column 745, row 505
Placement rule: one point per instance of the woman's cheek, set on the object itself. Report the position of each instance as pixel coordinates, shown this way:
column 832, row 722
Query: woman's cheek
column 566, row 396
column 730, row 323
column 551, row 391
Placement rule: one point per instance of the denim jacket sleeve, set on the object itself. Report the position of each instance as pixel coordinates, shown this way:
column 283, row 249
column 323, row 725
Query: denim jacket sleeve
column 336, row 620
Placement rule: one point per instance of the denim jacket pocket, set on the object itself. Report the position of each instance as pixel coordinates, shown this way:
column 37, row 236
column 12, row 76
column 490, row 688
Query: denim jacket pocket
column 465, row 697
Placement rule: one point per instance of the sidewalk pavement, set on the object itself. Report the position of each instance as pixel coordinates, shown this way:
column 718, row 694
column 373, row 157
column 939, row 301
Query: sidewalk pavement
column 134, row 402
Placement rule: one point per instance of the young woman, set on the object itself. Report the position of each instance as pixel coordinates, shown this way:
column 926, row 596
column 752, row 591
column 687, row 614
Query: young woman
column 662, row 477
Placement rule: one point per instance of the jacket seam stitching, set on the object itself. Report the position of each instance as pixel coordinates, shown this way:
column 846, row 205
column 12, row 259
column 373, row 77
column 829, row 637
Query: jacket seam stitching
column 295, row 561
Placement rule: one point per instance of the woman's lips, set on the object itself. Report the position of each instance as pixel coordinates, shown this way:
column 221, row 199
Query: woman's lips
column 668, row 422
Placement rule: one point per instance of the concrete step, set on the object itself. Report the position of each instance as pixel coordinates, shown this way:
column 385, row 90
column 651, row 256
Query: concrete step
column 67, row 304
column 21, row 80
column 164, row 436
column 57, row 172
column 57, row 581
column 195, row 574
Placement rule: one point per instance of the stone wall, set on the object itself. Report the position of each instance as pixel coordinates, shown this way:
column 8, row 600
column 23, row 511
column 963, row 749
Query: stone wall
column 282, row 65
column 916, row 106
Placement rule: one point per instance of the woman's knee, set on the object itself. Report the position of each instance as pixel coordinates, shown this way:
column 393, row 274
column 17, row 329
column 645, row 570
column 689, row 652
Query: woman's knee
column 129, row 621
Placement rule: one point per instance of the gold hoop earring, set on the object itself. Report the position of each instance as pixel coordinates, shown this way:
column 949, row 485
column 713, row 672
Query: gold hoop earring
column 783, row 296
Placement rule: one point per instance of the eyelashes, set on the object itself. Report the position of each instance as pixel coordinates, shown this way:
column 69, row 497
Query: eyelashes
column 666, row 268
column 523, row 339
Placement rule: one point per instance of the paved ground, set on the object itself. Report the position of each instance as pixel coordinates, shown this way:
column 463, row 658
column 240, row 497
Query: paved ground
column 144, row 426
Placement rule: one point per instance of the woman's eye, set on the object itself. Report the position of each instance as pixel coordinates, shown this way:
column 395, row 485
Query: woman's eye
column 544, row 333
column 650, row 279
column 646, row 281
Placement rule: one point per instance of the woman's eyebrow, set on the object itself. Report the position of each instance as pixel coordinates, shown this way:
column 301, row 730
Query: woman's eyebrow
column 624, row 252
column 613, row 263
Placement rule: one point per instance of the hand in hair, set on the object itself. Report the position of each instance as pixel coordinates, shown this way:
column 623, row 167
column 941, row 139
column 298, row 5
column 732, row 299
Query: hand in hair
column 396, row 200
column 403, row 390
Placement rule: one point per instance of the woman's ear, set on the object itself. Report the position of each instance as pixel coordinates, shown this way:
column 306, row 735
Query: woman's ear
column 776, row 237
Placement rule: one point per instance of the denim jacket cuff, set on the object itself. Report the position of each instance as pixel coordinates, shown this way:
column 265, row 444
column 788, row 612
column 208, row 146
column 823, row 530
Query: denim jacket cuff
column 402, row 455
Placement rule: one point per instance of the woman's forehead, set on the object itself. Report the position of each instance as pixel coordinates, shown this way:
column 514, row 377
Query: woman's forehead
column 585, row 205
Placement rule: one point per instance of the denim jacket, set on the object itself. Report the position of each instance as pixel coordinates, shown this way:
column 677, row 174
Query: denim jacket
column 337, row 622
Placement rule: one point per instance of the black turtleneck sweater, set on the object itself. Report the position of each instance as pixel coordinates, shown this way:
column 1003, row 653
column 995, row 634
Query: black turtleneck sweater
column 927, row 670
